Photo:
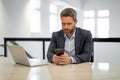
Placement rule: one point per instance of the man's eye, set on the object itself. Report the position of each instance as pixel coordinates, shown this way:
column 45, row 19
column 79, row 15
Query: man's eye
column 69, row 23
column 63, row 23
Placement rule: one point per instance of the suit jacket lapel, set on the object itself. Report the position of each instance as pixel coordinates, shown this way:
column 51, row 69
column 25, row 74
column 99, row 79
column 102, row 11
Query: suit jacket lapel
column 77, row 40
column 62, row 40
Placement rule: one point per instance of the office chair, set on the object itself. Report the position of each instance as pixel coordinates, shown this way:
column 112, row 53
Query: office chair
column 91, row 58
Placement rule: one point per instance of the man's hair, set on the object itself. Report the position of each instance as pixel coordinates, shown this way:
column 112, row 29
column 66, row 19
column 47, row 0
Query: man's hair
column 69, row 12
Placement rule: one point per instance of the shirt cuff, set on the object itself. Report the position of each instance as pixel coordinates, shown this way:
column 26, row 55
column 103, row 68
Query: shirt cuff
column 73, row 60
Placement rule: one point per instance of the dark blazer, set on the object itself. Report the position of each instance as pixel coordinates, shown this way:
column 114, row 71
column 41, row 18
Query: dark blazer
column 83, row 45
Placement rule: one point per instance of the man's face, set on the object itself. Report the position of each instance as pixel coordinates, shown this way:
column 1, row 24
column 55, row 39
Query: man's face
column 68, row 24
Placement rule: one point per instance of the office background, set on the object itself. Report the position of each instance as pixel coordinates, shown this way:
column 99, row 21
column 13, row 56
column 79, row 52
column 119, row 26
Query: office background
column 39, row 18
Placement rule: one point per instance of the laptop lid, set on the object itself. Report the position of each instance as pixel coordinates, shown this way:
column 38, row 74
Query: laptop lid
column 18, row 54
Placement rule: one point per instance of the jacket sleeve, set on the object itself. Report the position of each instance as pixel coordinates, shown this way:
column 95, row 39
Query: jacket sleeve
column 51, row 48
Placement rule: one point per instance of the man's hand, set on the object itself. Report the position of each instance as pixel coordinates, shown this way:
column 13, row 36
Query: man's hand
column 63, row 59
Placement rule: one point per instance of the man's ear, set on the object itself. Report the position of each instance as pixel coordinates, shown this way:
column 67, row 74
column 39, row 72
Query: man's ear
column 76, row 21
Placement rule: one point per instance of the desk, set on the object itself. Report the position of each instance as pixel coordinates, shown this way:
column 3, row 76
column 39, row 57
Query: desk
column 84, row 71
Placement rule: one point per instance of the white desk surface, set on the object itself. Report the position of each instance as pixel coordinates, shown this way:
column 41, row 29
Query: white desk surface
column 84, row 71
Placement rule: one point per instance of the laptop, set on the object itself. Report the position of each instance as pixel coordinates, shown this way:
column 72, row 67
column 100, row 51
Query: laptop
column 20, row 57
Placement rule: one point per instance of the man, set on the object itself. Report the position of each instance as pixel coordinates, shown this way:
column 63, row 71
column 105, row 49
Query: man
column 76, row 42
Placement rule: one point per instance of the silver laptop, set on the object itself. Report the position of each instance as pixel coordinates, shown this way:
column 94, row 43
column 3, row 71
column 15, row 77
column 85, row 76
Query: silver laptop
column 20, row 57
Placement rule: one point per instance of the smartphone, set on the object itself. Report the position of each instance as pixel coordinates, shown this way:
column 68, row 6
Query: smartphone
column 59, row 51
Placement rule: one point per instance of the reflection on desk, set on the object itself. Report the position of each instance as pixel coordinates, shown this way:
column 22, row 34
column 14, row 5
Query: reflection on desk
column 71, row 72
column 106, row 71
column 26, row 73
column 83, row 71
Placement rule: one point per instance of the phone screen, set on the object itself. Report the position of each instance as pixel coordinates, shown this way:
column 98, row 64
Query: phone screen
column 59, row 52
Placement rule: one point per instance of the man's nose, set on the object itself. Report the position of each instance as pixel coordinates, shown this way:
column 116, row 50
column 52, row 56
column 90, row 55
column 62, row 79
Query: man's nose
column 66, row 26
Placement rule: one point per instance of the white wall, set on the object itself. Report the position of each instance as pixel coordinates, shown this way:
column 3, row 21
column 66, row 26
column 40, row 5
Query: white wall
column 2, row 24
column 108, row 52
column 15, row 18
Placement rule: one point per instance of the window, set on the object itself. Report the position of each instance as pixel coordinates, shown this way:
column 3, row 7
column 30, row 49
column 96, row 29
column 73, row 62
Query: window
column 103, row 23
column 53, row 18
column 97, row 22
column 89, row 14
column 89, row 21
column 103, row 13
column 35, row 16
